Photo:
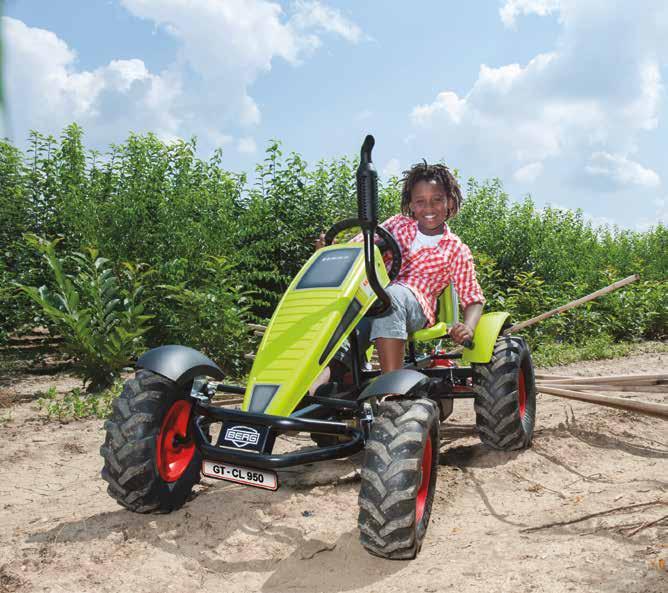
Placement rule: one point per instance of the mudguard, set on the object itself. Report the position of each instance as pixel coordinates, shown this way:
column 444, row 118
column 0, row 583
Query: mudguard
column 179, row 364
column 401, row 382
column 486, row 333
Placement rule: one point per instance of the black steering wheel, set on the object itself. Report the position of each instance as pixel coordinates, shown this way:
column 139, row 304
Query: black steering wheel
column 387, row 242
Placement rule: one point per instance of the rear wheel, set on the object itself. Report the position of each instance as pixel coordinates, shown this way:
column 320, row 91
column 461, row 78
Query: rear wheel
column 399, row 478
column 150, row 460
column 505, row 403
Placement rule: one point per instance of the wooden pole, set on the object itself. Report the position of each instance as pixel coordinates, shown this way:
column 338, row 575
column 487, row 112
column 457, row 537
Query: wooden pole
column 584, row 299
column 552, row 378
column 648, row 408
column 616, row 380
column 602, row 387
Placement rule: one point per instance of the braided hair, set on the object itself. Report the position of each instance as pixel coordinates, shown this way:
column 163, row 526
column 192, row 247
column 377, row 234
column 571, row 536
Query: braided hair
column 438, row 173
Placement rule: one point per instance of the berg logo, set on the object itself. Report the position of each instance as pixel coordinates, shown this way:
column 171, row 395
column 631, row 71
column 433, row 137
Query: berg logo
column 241, row 436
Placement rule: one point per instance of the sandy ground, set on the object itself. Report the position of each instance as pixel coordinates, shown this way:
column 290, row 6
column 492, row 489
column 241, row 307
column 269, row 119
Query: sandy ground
column 59, row 531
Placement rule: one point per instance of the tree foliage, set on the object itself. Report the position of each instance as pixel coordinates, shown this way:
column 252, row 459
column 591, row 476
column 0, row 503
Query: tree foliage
column 99, row 315
column 221, row 248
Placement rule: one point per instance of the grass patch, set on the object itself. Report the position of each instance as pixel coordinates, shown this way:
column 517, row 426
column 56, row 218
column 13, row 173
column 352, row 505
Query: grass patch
column 77, row 404
column 598, row 348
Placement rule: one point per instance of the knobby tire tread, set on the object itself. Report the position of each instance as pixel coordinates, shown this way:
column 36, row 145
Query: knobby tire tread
column 129, row 450
column 391, row 475
column 496, row 384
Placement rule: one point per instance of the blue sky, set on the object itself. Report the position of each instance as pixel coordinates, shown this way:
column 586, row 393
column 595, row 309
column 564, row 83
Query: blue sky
column 561, row 99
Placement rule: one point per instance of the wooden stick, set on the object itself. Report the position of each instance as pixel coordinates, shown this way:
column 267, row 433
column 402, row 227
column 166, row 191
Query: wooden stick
column 257, row 327
column 584, row 299
column 592, row 515
column 228, row 400
column 543, row 376
column 647, row 524
column 648, row 408
column 618, row 380
column 602, row 387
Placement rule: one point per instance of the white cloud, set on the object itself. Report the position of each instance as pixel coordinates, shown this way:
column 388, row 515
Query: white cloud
column 247, row 145
column 392, row 168
column 313, row 14
column 47, row 92
column 581, row 110
column 622, row 170
column 230, row 44
column 529, row 173
column 223, row 47
column 514, row 8
column 447, row 105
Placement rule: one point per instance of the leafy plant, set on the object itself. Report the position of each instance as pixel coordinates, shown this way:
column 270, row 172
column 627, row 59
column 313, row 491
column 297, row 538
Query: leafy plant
column 211, row 315
column 158, row 202
column 76, row 405
column 100, row 318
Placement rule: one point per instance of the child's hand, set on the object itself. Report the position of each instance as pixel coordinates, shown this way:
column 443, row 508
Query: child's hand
column 461, row 333
column 320, row 241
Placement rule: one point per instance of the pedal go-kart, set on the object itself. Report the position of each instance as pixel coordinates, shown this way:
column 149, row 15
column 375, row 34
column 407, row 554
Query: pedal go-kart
column 165, row 430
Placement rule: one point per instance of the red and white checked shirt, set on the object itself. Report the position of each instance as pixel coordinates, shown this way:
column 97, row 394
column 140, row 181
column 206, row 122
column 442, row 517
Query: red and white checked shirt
column 427, row 271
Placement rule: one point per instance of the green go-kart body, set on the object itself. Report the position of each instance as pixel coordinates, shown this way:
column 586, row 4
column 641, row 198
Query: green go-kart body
column 166, row 428
column 322, row 305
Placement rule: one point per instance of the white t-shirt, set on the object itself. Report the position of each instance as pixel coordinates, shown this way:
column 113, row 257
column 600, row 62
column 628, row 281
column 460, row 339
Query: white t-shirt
column 422, row 240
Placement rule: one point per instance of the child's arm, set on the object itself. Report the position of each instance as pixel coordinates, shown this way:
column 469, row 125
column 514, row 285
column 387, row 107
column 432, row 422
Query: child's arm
column 470, row 295
column 461, row 332
column 388, row 225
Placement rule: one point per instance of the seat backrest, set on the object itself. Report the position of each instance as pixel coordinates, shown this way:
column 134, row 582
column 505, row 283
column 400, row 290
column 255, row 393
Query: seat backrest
column 447, row 314
column 448, row 306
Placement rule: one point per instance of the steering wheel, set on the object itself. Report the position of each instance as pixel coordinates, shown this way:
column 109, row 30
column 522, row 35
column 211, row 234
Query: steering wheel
column 387, row 242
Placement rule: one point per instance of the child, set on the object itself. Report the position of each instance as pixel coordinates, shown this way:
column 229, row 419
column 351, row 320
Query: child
column 431, row 257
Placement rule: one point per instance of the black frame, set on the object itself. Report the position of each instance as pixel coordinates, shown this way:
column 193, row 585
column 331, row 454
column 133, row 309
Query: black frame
column 446, row 383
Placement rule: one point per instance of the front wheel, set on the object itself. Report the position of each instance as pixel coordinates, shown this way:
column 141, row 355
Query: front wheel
column 150, row 460
column 399, row 478
column 505, row 403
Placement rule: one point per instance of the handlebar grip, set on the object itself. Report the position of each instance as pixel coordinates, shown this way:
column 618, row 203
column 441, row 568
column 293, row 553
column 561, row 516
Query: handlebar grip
column 367, row 186
column 468, row 344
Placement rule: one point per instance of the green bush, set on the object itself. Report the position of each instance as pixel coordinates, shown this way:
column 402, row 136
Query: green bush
column 75, row 405
column 211, row 314
column 156, row 202
column 99, row 315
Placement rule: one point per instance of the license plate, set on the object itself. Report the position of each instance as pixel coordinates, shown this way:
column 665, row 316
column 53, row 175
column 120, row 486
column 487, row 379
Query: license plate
column 250, row 476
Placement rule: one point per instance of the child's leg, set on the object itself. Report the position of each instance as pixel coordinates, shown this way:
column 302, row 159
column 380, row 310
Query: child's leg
column 391, row 330
column 342, row 361
column 390, row 353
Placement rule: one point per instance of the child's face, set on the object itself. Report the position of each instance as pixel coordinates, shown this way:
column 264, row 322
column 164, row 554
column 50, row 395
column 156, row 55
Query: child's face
column 429, row 205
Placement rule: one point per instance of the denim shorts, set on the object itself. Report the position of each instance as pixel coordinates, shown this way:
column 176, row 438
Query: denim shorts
column 405, row 317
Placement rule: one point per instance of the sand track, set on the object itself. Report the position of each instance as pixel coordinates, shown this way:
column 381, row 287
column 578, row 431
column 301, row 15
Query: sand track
column 59, row 531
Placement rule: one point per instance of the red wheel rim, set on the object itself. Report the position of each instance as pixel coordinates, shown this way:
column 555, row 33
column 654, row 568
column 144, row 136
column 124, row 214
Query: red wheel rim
column 173, row 454
column 423, row 490
column 522, row 393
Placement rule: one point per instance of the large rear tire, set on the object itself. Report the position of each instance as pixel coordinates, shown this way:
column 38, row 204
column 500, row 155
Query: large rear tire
column 505, row 403
column 150, row 460
column 399, row 478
